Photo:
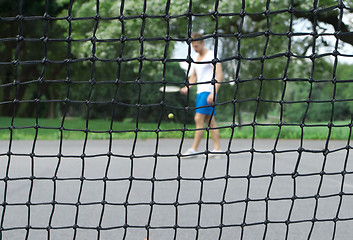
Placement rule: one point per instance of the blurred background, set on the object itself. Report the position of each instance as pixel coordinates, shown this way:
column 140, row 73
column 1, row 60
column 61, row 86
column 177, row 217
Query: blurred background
column 82, row 60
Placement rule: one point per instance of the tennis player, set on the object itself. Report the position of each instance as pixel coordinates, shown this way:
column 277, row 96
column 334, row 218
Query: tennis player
column 202, row 74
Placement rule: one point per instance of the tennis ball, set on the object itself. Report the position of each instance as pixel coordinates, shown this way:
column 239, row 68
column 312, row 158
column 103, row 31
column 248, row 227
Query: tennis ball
column 170, row 115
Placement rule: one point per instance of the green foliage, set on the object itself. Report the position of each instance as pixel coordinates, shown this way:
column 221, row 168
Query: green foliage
column 124, row 80
column 22, row 51
column 170, row 129
column 256, row 78
column 344, row 105
column 321, row 92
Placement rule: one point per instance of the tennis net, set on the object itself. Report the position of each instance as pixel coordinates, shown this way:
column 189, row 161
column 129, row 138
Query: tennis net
column 73, row 63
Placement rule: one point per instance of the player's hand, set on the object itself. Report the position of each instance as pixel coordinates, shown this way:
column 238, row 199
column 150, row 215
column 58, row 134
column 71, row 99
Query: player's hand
column 184, row 90
column 210, row 98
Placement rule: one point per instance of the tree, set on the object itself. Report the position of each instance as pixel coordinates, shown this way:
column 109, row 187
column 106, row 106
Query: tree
column 101, row 54
column 21, row 50
column 127, row 57
column 286, row 55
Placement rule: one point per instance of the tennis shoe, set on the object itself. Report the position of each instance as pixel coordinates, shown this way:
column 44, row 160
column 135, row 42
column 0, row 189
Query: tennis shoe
column 216, row 153
column 189, row 153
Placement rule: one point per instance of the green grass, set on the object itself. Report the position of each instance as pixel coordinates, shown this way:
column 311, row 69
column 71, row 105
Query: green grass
column 49, row 129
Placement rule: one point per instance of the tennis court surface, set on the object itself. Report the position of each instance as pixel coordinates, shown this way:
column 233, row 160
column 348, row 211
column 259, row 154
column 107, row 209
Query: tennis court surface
column 251, row 192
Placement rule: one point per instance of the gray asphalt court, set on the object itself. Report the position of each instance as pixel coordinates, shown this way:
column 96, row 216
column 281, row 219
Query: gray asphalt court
column 92, row 191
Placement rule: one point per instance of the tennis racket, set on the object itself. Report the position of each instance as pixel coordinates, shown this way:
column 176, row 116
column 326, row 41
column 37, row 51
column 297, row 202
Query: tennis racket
column 169, row 89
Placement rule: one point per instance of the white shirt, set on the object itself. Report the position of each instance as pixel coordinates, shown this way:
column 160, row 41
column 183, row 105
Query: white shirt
column 204, row 72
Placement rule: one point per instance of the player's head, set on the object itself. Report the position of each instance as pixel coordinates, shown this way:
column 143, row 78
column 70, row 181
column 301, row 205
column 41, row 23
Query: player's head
column 198, row 46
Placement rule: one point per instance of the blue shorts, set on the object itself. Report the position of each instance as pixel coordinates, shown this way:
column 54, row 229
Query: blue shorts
column 201, row 104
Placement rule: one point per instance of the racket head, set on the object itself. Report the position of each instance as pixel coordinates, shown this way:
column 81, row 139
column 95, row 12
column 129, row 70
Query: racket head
column 169, row 89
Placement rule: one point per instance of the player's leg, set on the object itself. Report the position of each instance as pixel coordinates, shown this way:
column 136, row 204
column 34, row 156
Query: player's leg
column 199, row 122
column 215, row 134
column 210, row 119
column 201, row 113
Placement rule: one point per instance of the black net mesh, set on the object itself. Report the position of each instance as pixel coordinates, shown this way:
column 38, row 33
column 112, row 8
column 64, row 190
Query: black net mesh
column 141, row 188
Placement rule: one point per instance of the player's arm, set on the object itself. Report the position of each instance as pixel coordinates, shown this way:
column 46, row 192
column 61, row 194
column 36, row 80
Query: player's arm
column 219, row 78
column 192, row 80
